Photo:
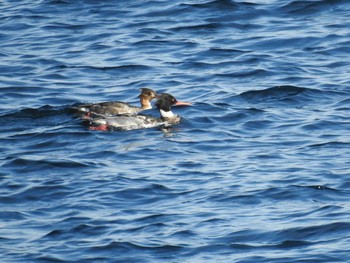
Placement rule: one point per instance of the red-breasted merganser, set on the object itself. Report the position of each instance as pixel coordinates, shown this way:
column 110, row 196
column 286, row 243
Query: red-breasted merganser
column 125, row 123
column 118, row 108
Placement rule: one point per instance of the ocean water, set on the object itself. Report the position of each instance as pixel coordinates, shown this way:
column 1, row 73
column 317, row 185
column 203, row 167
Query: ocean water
column 257, row 171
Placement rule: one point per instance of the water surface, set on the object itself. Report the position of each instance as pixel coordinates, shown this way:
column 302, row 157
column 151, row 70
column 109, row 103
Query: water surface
column 257, row 171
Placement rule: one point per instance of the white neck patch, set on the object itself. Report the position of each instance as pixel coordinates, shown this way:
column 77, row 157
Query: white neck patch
column 166, row 114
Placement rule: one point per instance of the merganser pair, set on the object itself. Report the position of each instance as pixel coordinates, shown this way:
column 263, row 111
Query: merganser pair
column 112, row 108
column 132, row 122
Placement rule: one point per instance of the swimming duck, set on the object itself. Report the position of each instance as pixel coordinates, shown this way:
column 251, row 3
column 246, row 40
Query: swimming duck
column 167, row 117
column 118, row 108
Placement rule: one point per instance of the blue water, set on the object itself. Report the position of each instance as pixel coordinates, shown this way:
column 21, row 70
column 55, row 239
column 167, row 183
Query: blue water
column 257, row 171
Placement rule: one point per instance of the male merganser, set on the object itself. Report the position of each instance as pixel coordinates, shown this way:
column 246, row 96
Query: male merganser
column 124, row 123
column 118, row 108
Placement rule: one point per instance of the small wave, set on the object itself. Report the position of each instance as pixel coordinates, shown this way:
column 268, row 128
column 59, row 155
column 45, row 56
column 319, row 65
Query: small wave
column 277, row 92
column 323, row 232
column 286, row 238
column 199, row 28
column 315, row 193
column 286, row 244
column 343, row 105
column 87, row 230
column 59, row 26
column 222, row 52
column 30, row 164
column 216, row 4
column 258, row 124
column 34, row 113
column 11, row 215
column 245, row 73
column 56, row 2
column 145, row 194
column 126, row 247
column 18, row 90
column 331, row 144
column 291, row 95
column 302, row 7
column 36, row 193
column 123, row 68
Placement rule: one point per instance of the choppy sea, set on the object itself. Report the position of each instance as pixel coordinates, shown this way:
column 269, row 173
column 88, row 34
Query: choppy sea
column 257, row 171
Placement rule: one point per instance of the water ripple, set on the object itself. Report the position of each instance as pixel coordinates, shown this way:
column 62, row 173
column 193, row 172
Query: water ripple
column 257, row 170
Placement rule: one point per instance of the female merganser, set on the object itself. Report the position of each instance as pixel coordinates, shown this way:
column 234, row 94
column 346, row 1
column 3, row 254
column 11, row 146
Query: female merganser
column 118, row 108
column 125, row 123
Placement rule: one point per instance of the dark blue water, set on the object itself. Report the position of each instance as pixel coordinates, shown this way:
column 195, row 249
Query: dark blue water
column 258, row 170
